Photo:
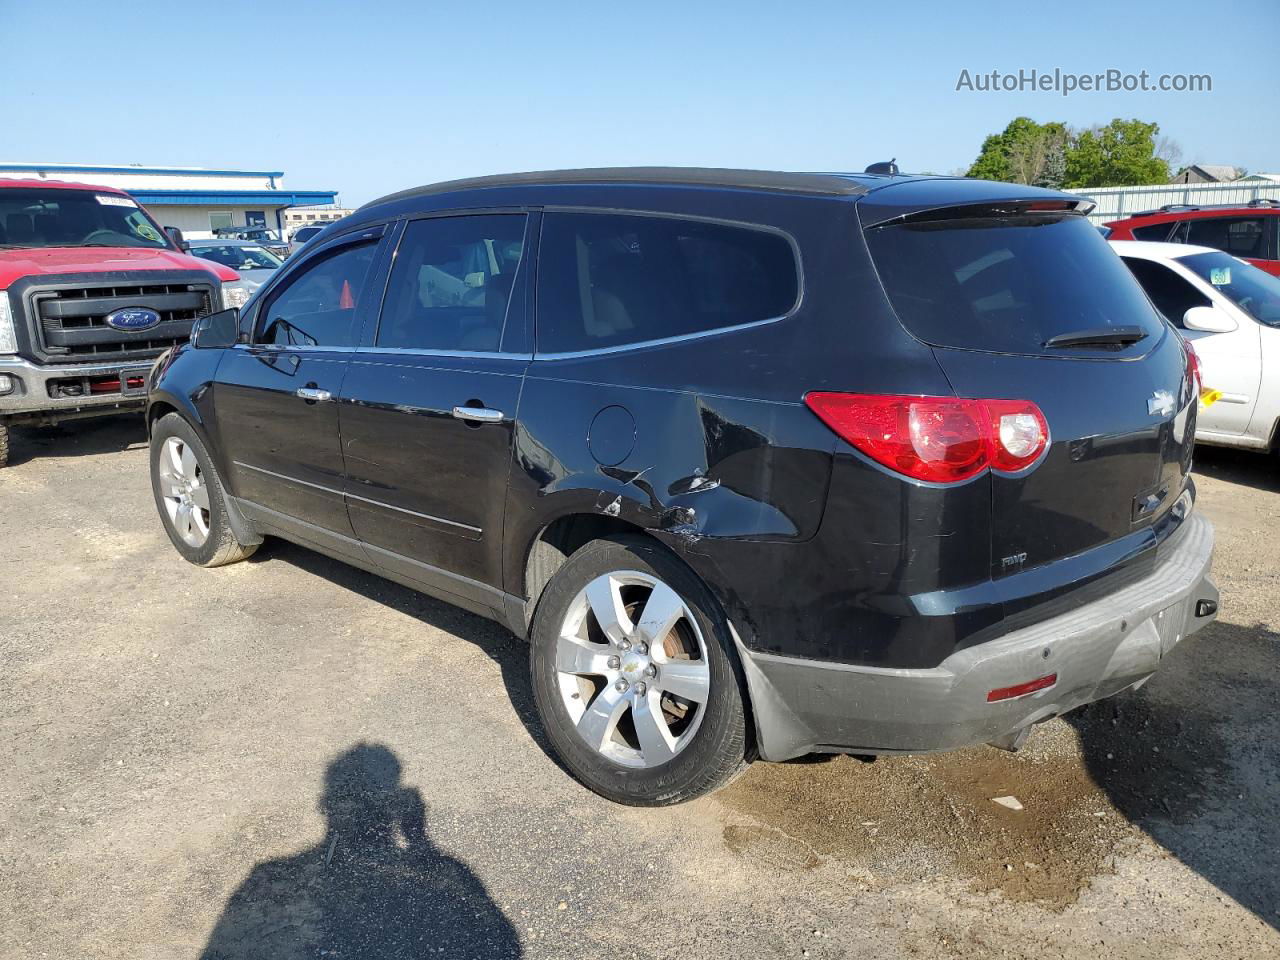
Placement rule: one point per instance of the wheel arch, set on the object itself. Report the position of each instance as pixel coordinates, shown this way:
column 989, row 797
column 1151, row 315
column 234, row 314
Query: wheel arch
column 555, row 542
column 163, row 404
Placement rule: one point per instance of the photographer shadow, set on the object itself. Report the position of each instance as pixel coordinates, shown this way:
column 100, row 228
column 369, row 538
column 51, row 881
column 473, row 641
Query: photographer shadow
column 375, row 886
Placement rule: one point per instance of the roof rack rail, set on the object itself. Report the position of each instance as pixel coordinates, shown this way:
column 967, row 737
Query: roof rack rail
column 1263, row 202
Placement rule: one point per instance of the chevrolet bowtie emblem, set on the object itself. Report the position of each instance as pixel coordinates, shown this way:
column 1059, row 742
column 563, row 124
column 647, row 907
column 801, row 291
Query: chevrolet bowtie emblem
column 1160, row 404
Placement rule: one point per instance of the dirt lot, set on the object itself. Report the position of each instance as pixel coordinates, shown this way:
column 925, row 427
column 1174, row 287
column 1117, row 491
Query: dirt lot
column 289, row 758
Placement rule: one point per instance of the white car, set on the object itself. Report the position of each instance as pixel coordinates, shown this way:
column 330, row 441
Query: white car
column 1230, row 311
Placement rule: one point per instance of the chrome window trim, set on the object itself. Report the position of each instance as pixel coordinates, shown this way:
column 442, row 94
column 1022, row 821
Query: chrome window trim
column 290, row 348
column 797, row 259
column 376, row 503
column 663, row 341
column 417, row 352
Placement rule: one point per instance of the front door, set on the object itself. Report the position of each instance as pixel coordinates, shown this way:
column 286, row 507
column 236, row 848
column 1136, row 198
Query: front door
column 429, row 405
column 275, row 398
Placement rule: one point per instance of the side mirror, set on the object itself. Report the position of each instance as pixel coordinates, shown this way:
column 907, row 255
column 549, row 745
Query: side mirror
column 176, row 236
column 1208, row 320
column 217, row 330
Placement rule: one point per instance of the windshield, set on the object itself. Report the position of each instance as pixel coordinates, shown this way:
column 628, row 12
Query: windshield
column 1254, row 291
column 44, row 217
column 1011, row 284
column 237, row 257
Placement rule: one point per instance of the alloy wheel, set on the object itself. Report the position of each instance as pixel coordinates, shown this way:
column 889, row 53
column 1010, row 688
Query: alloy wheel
column 184, row 492
column 632, row 669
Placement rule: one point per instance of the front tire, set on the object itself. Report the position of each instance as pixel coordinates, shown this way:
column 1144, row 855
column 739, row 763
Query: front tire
column 4, row 445
column 190, row 497
column 635, row 677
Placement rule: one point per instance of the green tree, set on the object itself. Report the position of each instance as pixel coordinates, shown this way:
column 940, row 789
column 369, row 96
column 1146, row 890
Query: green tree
column 1123, row 153
column 1054, row 174
column 1020, row 152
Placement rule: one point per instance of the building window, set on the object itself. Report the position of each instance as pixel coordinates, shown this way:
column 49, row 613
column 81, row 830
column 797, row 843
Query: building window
column 218, row 219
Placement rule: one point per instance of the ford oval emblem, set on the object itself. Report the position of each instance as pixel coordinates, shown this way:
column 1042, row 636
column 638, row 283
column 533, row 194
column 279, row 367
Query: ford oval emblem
column 133, row 318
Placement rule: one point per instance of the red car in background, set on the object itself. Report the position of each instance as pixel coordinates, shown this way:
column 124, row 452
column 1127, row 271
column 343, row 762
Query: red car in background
column 1249, row 231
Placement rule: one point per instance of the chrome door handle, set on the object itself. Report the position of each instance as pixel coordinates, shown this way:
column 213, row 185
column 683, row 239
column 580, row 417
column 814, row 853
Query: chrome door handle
column 311, row 393
column 478, row 414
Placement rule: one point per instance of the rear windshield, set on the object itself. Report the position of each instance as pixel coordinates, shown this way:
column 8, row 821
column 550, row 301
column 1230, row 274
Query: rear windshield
column 1007, row 285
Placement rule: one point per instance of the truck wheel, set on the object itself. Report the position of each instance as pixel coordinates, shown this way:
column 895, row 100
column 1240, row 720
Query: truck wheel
column 189, row 496
column 635, row 676
column 4, row 444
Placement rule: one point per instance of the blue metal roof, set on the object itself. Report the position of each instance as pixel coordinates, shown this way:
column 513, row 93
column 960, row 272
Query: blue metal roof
column 76, row 168
column 270, row 198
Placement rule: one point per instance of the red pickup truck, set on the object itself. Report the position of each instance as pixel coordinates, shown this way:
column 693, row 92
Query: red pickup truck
column 92, row 290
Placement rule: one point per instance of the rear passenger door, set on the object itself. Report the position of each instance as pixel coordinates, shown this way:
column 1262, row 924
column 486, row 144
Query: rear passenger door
column 1249, row 238
column 430, row 400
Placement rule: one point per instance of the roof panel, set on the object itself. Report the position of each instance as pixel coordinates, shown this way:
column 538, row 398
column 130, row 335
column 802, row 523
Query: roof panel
column 825, row 184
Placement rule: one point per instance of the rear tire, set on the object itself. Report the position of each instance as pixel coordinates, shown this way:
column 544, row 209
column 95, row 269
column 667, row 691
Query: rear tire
column 648, row 709
column 190, row 497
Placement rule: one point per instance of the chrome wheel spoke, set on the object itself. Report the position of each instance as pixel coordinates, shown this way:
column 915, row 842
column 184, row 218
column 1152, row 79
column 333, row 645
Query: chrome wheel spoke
column 173, row 454
column 200, row 496
column 657, row 745
column 183, row 521
column 662, row 611
column 601, row 718
column 188, row 462
column 690, row 679
column 581, row 656
column 605, row 600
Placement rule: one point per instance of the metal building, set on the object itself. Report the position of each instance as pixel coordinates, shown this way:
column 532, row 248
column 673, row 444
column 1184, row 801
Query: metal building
column 193, row 199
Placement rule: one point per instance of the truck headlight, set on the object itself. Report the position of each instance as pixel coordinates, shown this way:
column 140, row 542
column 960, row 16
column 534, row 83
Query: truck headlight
column 8, row 335
column 234, row 295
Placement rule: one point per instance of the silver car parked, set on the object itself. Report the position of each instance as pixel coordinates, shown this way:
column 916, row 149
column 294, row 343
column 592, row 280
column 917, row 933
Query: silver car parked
column 254, row 262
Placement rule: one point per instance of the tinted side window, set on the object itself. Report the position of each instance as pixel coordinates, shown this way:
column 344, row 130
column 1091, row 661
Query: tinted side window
column 610, row 279
column 317, row 307
column 451, row 283
column 1152, row 231
column 1238, row 236
column 1172, row 295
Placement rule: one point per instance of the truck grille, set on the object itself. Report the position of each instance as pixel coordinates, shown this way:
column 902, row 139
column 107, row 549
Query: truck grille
column 72, row 323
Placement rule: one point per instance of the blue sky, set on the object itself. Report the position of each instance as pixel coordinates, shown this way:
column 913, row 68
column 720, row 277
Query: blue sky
column 399, row 93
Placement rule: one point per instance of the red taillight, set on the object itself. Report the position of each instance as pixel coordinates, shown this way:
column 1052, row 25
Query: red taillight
column 1193, row 367
column 1022, row 689
column 936, row 439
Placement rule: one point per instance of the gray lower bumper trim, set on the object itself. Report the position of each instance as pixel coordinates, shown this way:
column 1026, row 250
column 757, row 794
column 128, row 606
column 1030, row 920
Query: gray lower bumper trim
column 32, row 391
column 1096, row 651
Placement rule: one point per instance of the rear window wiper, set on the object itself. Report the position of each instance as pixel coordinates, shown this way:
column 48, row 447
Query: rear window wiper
column 1098, row 337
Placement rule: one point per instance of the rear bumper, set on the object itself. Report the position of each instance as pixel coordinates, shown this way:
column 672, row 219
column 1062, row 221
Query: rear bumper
column 28, row 397
column 1097, row 650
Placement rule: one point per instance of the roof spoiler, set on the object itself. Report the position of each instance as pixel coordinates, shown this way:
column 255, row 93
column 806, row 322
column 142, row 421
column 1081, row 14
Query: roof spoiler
column 995, row 209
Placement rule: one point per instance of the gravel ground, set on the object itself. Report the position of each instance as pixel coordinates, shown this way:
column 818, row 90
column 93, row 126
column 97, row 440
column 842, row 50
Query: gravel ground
column 288, row 758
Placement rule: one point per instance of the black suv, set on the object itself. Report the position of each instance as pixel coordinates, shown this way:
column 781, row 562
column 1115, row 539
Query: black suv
column 762, row 464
